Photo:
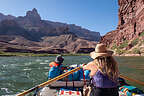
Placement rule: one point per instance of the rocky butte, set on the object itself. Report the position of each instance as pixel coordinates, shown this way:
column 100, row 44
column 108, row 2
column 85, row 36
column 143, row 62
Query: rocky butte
column 32, row 34
column 128, row 38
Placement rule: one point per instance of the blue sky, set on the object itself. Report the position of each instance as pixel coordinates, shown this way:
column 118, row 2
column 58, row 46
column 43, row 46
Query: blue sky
column 96, row 15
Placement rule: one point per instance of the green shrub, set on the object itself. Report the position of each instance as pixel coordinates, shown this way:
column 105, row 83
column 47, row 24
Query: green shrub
column 114, row 46
column 136, row 51
column 142, row 41
column 119, row 51
column 124, row 44
column 1, row 52
column 128, row 52
column 135, row 42
column 141, row 34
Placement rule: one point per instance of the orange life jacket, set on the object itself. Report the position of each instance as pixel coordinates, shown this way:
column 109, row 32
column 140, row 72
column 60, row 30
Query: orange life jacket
column 53, row 64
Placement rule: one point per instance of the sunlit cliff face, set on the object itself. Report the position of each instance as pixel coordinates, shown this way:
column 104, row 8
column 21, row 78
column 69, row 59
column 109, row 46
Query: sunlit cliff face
column 130, row 25
column 131, row 19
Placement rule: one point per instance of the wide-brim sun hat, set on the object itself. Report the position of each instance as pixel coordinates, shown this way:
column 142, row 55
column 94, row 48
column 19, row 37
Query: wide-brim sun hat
column 100, row 50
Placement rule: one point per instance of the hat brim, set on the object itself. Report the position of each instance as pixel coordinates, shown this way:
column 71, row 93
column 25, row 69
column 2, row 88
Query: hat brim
column 94, row 54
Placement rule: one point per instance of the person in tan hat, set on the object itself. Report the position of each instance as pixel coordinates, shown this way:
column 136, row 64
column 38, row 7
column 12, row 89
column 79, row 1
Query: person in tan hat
column 104, row 72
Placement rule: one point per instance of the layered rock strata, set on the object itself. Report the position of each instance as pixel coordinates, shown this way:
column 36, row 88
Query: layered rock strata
column 130, row 26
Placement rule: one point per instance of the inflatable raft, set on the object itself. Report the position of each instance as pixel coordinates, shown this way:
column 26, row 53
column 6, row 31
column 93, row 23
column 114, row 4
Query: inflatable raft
column 75, row 88
column 73, row 85
column 74, row 81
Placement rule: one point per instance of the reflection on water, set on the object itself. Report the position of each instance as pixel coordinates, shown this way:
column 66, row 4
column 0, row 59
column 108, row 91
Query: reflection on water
column 132, row 67
column 20, row 73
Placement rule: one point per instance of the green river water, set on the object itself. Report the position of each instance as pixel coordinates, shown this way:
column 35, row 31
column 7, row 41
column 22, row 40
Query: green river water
column 21, row 73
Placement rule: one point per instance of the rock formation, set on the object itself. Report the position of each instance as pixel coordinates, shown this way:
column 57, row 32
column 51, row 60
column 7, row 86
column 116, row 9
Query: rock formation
column 6, row 17
column 130, row 26
column 32, row 34
column 33, row 15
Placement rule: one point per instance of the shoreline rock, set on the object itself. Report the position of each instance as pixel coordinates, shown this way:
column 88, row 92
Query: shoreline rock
column 129, row 55
column 129, row 34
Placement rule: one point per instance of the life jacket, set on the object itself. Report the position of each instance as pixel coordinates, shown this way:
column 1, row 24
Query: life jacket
column 53, row 64
column 55, row 70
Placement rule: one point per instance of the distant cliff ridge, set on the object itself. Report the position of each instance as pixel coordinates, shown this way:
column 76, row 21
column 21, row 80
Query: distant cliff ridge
column 129, row 35
column 31, row 33
column 6, row 17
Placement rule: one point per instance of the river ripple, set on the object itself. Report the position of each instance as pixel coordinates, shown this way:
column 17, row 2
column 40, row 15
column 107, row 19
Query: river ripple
column 20, row 73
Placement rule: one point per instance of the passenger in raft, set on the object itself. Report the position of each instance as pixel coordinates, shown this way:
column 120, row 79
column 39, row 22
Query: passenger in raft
column 104, row 72
column 56, row 68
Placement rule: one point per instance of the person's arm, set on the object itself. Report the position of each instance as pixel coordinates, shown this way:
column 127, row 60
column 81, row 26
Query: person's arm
column 92, row 67
column 87, row 66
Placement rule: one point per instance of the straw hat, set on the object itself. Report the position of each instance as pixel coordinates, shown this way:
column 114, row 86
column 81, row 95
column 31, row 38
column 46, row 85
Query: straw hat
column 100, row 50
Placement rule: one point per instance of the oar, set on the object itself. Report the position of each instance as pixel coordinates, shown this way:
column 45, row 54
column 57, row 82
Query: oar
column 130, row 79
column 49, row 81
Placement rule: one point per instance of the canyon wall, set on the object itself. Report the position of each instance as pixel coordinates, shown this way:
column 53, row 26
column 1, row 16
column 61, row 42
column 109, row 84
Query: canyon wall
column 30, row 33
column 130, row 27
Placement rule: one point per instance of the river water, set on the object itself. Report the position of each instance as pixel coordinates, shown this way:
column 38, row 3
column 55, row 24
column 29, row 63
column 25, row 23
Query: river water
column 21, row 73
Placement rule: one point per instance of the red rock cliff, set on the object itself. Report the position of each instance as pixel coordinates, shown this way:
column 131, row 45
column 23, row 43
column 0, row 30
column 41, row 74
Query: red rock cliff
column 130, row 25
